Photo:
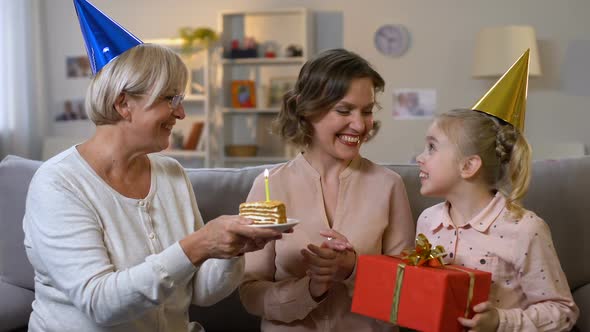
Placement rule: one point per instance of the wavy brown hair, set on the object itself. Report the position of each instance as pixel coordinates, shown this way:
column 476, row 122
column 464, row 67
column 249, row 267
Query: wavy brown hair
column 504, row 151
column 323, row 81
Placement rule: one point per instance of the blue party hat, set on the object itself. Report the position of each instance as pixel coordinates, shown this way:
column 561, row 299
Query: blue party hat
column 105, row 39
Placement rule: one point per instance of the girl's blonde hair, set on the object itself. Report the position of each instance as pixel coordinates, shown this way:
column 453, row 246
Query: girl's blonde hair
column 146, row 69
column 504, row 151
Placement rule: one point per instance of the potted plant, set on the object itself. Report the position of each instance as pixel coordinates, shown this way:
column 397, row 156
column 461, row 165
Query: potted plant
column 197, row 38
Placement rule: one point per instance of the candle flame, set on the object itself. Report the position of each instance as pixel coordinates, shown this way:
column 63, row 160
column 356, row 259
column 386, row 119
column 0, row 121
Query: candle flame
column 266, row 173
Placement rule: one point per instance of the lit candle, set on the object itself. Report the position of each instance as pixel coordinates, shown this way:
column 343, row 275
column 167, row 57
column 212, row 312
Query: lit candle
column 266, row 185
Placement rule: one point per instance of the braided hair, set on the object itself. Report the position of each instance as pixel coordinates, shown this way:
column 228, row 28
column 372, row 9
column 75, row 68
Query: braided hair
column 504, row 152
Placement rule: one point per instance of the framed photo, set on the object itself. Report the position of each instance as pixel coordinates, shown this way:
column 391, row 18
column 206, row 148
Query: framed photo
column 278, row 87
column 243, row 94
column 78, row 66
column 414, row 103
column 73, row 109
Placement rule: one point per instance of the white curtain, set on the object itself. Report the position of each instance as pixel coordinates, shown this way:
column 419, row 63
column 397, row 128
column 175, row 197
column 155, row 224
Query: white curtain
column 22, row 106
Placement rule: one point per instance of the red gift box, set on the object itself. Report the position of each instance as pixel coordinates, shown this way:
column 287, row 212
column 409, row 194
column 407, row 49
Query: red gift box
column 429, row 299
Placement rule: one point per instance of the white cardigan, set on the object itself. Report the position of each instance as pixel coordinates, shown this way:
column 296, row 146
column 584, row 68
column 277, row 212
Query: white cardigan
column 105, row 262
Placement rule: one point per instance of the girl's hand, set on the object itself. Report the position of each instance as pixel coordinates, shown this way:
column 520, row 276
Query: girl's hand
column 486, row 319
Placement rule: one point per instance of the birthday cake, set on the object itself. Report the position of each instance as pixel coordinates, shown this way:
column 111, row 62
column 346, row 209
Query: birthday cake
column 264, row 212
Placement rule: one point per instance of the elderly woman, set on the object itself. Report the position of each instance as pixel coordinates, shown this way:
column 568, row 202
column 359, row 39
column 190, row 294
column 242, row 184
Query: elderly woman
column 113, row 229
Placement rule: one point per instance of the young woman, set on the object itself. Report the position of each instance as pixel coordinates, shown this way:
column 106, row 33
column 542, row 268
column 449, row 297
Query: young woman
column 346, row 204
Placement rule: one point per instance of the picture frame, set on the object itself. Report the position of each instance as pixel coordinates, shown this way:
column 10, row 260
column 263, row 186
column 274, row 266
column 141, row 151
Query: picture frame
column 72, row 109
column 414, row 103
column 243, row 94
column 278, row 86
column 78, row 66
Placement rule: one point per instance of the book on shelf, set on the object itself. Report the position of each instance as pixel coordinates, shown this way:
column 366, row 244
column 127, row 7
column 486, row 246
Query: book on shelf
column 194, row 136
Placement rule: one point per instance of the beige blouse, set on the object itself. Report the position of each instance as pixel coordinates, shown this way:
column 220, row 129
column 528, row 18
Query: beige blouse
column 529, row 287
column 372, row 211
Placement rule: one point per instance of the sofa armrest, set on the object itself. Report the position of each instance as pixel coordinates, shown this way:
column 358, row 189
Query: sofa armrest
column 582, row 299
column 15, row 306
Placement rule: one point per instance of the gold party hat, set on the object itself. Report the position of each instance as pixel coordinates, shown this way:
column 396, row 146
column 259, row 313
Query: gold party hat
column 506, row 100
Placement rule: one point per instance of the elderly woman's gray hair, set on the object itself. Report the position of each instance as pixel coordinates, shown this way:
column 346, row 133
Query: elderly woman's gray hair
column 146, row 69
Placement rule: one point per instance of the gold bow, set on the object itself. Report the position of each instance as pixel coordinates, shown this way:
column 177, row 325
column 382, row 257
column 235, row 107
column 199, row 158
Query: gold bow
column 424, row 254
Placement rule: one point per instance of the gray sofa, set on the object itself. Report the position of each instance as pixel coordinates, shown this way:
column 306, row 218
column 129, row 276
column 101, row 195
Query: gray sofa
column 559, row 193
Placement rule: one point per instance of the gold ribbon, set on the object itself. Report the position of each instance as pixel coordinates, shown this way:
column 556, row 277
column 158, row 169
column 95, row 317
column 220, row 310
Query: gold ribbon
column 471, row 286
column 423, row 254
column 399, row 278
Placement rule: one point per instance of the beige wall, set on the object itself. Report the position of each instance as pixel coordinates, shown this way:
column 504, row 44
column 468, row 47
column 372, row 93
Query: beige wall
column 442, row 34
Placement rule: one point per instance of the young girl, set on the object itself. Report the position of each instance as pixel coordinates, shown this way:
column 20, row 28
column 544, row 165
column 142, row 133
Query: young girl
column 479, row 161
column 481, row 166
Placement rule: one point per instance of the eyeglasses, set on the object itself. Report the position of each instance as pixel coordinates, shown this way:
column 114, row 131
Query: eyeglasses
column 174, row 101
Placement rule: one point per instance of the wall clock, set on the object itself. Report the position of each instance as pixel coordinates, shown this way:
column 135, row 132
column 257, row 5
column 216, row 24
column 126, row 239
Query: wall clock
column 392, row 39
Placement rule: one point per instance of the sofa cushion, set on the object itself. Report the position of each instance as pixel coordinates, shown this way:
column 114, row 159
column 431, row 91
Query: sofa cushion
column 559, row 193
column 226, row 315
column 219, row 191
column 15, row 306
column 409, row 174
column 582, row 299
column 234, row 185
column 15, row 175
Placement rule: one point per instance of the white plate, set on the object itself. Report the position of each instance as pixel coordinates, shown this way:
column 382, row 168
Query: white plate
column 279, row 227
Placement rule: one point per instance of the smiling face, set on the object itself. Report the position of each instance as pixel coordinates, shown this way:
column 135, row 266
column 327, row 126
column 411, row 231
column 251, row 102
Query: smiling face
column 439, row 164
column 340, row 132
column 150, row 126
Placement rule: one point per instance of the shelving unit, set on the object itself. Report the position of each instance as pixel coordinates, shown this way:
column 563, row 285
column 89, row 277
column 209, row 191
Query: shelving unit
column 264, row 61
column 185, row 153
column 237, row 111
column 197, row 104
column 251, row 126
